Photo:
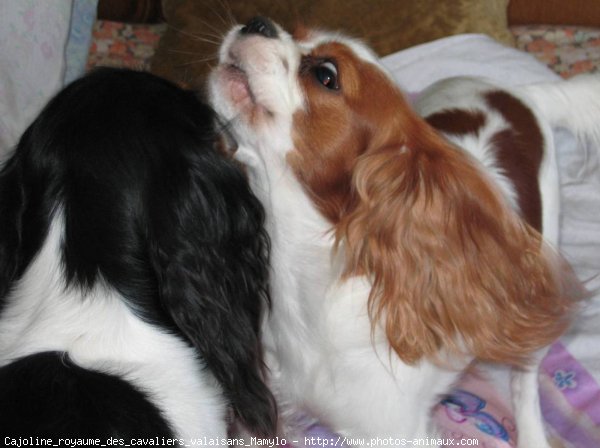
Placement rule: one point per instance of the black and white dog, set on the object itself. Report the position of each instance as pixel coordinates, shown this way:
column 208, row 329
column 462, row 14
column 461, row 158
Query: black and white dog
column 133, row 270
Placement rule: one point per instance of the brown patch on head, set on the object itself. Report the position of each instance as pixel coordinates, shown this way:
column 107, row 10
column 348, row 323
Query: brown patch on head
column 457, row 121
column 339, row 126
column 453, row 267
column 520, row 150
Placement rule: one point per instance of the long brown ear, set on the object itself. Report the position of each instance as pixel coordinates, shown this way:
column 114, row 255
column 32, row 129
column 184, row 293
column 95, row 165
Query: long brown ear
column 453, row 267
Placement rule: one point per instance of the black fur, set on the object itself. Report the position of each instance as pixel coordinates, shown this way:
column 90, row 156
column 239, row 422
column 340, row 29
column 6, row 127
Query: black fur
column 152, row 207
column 46, row 394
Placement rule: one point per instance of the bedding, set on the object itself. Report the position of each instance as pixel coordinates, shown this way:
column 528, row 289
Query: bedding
column 117, row 44
column 39, row 31
column 567, row 50
column 83, row 16
column 43, row 46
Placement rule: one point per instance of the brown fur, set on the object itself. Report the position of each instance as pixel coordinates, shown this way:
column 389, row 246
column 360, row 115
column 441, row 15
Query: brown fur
column 457, row 121
column 520, row 150
column 453, row 267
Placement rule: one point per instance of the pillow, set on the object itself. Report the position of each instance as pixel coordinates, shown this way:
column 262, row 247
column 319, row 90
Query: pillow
column 189, row 47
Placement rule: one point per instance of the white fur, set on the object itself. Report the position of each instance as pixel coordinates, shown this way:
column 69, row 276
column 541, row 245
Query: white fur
column 574, row 104
column 99, row 332
column 323, row 358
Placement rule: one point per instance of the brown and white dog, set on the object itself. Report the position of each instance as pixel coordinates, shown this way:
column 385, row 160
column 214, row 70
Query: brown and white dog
column 398, row 256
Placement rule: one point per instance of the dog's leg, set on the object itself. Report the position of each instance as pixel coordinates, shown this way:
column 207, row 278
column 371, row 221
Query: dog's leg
column 526, row 404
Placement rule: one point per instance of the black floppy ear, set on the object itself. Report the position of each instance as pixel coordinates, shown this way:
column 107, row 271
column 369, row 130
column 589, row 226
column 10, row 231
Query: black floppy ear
column 11, row 212
column 211, row 257
column 15, row 250
column 28, row 198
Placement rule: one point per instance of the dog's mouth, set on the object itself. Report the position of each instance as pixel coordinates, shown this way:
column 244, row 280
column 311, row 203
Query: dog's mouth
column 238, row 85
column 241, row 79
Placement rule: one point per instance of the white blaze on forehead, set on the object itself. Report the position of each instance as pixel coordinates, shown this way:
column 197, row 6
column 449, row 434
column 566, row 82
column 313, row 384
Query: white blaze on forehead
column 318, row 37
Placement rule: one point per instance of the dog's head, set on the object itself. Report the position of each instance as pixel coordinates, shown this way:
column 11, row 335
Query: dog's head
column 150, row 206
column 452, row 265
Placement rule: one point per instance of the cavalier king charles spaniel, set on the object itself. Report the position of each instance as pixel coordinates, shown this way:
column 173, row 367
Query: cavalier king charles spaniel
column 399, row 256
column 133, row 270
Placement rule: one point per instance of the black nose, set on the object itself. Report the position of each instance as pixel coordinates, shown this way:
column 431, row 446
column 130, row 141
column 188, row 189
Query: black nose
column 260, row 25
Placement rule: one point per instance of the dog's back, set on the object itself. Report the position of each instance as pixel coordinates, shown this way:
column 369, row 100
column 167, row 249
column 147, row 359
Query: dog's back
column 132, row 269
column 509, row 130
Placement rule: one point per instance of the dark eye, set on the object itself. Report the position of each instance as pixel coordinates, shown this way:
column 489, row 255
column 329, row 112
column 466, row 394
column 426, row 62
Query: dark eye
column 326, row 73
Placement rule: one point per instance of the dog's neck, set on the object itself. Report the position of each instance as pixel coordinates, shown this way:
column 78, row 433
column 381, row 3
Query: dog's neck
column 301, row 241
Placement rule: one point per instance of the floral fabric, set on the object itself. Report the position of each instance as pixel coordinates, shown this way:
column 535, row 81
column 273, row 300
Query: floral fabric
column 567, row 50
column 123, row 44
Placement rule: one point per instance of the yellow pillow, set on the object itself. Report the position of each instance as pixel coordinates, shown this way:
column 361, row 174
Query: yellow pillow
column 189, row 47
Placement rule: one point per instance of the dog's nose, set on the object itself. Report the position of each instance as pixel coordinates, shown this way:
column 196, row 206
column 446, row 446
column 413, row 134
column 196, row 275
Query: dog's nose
column 260, row 25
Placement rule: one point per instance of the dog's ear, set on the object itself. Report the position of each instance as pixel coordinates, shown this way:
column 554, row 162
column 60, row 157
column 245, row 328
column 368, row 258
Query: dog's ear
column 11, row 214
column 21, row 208
column 453, row 267
column 211, row 258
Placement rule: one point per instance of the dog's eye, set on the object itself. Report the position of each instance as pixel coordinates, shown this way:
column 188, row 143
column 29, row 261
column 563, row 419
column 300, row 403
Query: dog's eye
column 327, row 74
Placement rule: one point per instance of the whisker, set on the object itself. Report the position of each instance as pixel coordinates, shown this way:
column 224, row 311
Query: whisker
column 197, row 37
column 215, row 30
column 229, row 21
column 193, row 53
column 197, row 61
